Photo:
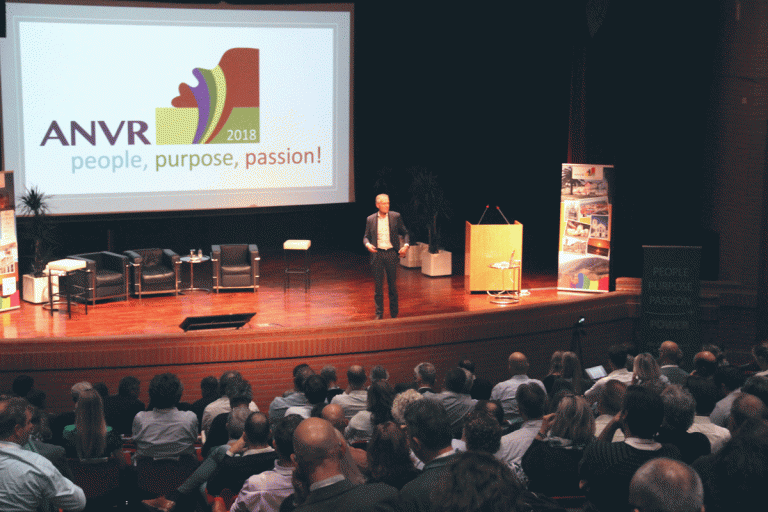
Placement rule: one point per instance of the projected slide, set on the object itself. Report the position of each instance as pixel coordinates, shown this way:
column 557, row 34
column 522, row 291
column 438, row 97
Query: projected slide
column 131, row 109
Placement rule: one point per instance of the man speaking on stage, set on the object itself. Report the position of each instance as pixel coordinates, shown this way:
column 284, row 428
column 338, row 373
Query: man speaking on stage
column 382, row 241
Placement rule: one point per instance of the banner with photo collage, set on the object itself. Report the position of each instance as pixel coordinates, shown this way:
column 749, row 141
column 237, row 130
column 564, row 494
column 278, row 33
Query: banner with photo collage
column 9, row 249
column 585, row 228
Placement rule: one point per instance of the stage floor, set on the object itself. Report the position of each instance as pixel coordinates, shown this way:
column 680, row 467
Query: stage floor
column 341, row 291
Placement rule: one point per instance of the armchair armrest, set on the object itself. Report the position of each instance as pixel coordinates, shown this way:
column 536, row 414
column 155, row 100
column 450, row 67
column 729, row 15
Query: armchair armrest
column 133, row 257
column 170, row 258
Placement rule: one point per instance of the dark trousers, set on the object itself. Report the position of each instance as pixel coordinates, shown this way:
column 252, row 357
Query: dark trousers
column 385, row 263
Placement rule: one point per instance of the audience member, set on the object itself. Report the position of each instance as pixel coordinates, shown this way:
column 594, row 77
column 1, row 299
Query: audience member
column 28, row 481
column 532, row 401
column 551, row 463
column 226, row 466
column 607, row 468
column 230, row 384
column 378, row 372
column 478, row 482
column 54, row 453
column 728, row 382
column 320, row 455
column 481, row 388
column 22, row 385
column 617, row 360
column 757, row 386
column 704, row 364
column 705, row 394
column 666, row 485
column 401, row 402
column 746, row 407
column 495, row 410
column 760, row 355
column 293, row 397
column 646, row 373
column 355, row 398
column 334, row 414
column 389, row 456
column 209, row 388
column 718, row 352
column 165, row 432
column 316, row 391
column 735, row 477
column 555, row 371
column 456, row 403
column 424, row 377
column 380, row 397
column 482, row 432
column 60, row 421
column 670, row 356
column 264, row 492
column 571, row 377
column 120, row 409
column 102, row 389
column 679, row 411
column 506, row 390
column 429, row 435
column 610, row 404
column 240, row 396
column 329, row 374
column 90, row 437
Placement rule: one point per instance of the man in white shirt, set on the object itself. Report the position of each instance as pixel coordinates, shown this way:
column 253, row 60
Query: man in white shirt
column 617, row 362
column 382, row 239
column 355, row 398
column 29, row 480
column 229, row 386
column 532, row 403
column 266, row 491
column 505, row 391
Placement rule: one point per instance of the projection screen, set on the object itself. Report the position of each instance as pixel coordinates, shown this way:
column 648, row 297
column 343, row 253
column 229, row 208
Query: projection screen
column 133, row 109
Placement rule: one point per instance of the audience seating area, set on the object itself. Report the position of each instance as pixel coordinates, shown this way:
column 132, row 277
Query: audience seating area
column 496, row 418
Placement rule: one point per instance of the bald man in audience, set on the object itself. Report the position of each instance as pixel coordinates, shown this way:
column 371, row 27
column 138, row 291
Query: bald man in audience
column 670, row 356
column 744, row 408
column 666, row 485
column 319, row 454
column 355, row 398
column 505, row 391
column 334, row 414
column 704, row 364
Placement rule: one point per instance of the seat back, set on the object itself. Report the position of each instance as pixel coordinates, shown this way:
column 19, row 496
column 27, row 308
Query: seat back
column 97, row 477
column 159, row 477
column 234, row 255
column 150, row 257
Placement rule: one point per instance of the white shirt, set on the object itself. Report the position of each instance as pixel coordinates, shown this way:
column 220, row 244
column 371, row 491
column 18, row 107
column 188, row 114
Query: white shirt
column 383, row 241
column 219, row 406
column 352, row 402
column 594, row 393
column 506, row 390
column 265, row 492
column 716, row 434
column 514, row 445
column 29, row 480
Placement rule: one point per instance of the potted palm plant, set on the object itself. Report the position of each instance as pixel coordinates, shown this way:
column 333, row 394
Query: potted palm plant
column 430, row 205
column 35, row 206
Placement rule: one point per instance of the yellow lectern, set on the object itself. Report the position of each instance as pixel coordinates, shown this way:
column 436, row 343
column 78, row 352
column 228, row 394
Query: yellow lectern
column 486, row 245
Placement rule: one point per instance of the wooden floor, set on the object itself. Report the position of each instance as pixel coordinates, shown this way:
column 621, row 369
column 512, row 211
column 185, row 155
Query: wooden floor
column 341, row 291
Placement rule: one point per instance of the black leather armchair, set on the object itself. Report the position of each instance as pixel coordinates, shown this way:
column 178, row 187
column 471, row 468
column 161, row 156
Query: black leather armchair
column 235, row 266
column 105, row 276
column 154, row 271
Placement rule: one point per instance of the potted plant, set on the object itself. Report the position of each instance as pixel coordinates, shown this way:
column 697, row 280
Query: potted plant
column 430, row 205
column 35, row 206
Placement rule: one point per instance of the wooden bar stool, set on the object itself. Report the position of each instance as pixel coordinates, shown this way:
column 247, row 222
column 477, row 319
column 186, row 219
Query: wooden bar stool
column 293, row 265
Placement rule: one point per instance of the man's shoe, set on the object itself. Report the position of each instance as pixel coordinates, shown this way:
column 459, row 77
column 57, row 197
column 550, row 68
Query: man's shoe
column 378, row 317
column 159, row 504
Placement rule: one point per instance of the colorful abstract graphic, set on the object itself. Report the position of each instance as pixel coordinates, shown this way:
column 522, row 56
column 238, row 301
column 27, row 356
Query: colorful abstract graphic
column 222, row 109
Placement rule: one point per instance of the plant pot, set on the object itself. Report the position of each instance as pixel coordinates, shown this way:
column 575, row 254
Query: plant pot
column 434, row 265
column 35, row 289
column 413, row 256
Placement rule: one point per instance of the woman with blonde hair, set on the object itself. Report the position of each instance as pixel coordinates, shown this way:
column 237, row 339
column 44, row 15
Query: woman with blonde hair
column 90, row 437
column 551, row 463
column 571, row 377
column 647, row 373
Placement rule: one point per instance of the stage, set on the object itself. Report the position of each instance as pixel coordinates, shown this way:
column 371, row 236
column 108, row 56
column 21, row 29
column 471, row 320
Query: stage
column 332, row 323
